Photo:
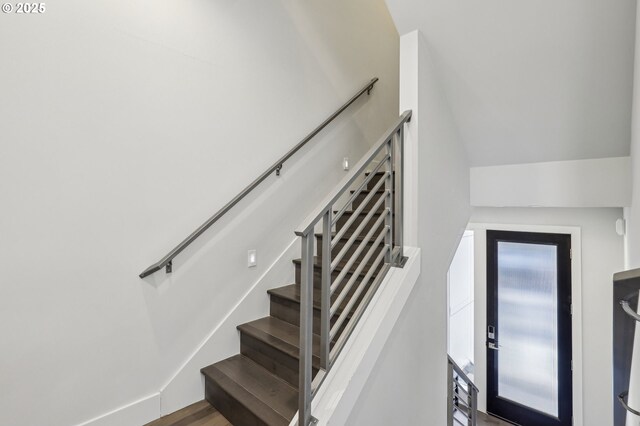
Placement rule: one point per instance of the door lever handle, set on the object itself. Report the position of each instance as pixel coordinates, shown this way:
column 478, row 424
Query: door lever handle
column 493, row 346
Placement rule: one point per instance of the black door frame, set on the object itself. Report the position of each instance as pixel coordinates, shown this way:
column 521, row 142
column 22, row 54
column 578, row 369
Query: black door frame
column 502, row 407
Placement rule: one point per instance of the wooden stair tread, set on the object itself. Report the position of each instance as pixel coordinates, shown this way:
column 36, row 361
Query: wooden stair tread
column 349, row 233
column 317, row 264
column 281, row 335
column 292, row 292
column 269, row 398
column 199, row 414
column 345, row 237
column 363, row 213
column 368, row 191
column 346, row 216
column 379, row 173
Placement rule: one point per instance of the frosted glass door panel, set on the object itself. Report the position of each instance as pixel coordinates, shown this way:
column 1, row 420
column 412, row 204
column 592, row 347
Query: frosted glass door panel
column 528, row 324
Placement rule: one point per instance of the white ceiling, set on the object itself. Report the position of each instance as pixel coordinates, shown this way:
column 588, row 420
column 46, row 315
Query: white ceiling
column 531, row 81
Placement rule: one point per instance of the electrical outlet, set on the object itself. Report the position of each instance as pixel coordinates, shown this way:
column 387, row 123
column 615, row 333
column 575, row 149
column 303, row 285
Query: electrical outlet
column 252, row 258
column 345, row 163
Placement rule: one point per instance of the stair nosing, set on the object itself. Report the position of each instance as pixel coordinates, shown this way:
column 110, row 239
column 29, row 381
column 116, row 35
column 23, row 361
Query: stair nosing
column 368, row 191
column 345, row 237
column 362, row 213
column 316, row 303
column 317, row 263
column 207, row 373
column 260, row 335
column 380, row 172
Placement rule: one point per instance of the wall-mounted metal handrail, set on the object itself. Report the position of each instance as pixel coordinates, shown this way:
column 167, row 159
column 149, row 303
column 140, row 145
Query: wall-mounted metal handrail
column 623, row 400
column 626, row 305
column 366, row 263
column 276, row 167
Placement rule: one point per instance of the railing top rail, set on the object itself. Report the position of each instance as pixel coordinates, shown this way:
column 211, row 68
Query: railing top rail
column 461, row 373
column 623, row 400
column 166, row 260
column 626, row 305
column 309, row 223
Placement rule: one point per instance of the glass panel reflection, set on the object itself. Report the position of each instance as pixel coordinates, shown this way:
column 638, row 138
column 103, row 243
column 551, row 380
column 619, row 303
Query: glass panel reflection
column 528, row 325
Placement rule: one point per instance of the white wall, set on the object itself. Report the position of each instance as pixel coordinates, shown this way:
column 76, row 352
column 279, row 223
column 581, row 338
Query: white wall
column 632, row 238
column 632, row 216
column 601, row 253
column 408, row 386
column 603, row 182
column 123, row 126
column 461, row 296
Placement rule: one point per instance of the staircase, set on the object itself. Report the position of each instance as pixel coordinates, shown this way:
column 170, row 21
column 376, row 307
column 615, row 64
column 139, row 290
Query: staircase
column 259, row 386
column 349, row 243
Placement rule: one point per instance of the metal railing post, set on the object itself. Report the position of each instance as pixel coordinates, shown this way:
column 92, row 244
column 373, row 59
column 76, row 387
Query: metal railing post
column 399, row 196
column 474, row 405
column 461, row 400
column 306, row 330
column 449, row 394
column 325, row 303
column 388, row 204
column 374, row 250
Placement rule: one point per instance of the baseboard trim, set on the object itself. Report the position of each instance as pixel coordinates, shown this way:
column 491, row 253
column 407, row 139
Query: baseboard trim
column 181, row 390
column 185, row 386
column 137, row 413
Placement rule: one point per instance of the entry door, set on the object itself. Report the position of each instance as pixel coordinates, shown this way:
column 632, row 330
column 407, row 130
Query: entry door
column 529, row 328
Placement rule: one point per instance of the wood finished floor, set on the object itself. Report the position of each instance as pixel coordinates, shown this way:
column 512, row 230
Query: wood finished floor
column 203, row 414
column 486, row 420
column 198, row 414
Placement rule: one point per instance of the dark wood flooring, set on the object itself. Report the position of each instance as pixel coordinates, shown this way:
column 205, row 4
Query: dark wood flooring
column 198, row 414
column 203, row 414
column 487, row 420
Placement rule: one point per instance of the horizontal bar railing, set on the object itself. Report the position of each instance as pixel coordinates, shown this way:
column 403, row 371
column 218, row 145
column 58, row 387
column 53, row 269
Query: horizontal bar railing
column 355, row 214
column 310, row 222
column 460, row 373
column 371, row 243
column 345, row 290
column 357, row 192
column 166, row 261
column 362, row 225
column 460, row 400
column 626, row 306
